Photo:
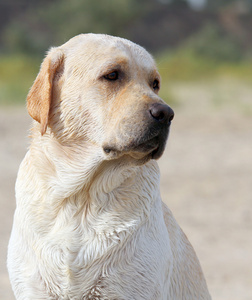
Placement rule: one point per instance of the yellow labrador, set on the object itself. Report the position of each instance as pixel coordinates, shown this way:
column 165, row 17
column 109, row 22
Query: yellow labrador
column 89, row 222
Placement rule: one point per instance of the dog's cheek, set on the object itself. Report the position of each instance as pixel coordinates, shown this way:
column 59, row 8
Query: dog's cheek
column 126, row 130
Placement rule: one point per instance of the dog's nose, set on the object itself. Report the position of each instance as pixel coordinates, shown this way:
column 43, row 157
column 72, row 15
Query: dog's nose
column 162, row 113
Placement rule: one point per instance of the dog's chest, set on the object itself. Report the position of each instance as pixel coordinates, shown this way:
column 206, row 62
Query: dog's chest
column 108, row 268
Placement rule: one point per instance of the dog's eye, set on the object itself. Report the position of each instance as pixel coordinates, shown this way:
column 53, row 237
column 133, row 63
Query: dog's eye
column 155, row 85
column 112, row 76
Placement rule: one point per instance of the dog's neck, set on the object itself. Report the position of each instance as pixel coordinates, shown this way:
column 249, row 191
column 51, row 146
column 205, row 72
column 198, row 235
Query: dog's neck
column 83, row 220
column 105, row 195
column 121, row 199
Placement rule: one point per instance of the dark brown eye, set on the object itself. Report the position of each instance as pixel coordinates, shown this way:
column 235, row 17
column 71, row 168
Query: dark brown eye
column 155, row 85
column 112, row 76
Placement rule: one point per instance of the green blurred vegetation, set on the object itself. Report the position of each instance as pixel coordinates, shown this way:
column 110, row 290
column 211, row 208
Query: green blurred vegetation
column 17, row 72
column 207, row 54
column 36, row 25
column 189, row 45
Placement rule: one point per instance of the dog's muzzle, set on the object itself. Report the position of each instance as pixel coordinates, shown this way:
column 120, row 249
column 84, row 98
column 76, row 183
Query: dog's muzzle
column 148, row 140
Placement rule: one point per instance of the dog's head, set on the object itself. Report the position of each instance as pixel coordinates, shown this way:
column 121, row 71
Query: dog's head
column 102, row 90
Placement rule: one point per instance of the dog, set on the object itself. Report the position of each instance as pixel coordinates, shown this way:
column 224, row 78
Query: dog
column 89, row 221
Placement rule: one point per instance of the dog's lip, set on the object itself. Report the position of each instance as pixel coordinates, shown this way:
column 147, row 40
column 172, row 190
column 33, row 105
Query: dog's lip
column 147, row 146
column 152, row 146
column 157, row 153
column 154, row 153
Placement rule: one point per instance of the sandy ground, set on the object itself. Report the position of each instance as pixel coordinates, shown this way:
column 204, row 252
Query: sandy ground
column 206, row 179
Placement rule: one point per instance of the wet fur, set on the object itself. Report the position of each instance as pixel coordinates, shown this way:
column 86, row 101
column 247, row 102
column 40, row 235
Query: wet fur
column 90, row 224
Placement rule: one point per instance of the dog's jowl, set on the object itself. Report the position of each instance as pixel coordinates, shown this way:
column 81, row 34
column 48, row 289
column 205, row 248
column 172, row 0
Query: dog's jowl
column 89, row 221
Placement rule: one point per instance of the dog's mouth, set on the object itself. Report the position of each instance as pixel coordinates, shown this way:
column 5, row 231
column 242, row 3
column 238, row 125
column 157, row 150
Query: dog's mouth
column 148, row 148
column 156, row 153
column 153, row 148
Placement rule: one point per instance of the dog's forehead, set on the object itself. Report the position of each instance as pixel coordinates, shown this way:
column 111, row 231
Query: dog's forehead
column 101, row 48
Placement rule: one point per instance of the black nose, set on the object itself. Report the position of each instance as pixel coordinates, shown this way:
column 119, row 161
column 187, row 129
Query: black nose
column 162, row 113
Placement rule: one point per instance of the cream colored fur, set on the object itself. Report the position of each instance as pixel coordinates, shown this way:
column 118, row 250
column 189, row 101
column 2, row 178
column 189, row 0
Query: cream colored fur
column 90, row 223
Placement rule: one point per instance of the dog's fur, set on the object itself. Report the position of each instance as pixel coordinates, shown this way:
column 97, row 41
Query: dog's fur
column 89, row 222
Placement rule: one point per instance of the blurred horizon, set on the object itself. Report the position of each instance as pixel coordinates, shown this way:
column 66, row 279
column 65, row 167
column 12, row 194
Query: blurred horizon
column 30, row 27
column 190, row 39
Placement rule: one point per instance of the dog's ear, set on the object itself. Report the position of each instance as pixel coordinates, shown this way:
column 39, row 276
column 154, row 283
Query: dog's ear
column 40, row 95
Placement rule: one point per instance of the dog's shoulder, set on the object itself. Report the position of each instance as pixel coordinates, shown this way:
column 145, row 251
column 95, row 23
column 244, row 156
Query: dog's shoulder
column 185, row 263
column 178, row 239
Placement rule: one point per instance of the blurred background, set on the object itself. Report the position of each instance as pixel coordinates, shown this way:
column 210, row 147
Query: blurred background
column 203, row 50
